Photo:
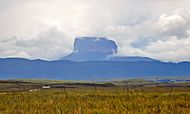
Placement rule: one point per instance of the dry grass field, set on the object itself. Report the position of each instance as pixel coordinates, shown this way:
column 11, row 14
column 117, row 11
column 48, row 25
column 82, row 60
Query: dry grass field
column 94, row 99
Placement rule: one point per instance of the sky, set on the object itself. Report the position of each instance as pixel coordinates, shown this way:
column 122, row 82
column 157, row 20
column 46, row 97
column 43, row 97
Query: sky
column 45, row 29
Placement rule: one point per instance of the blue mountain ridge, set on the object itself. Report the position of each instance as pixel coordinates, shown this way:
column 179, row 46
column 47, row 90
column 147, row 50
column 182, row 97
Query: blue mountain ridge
column 11, row 68
column 92, row 58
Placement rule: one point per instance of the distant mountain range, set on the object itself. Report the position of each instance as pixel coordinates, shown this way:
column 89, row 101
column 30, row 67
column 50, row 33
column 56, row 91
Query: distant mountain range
column 22, row 68
column 93, row 58
column 131, row 59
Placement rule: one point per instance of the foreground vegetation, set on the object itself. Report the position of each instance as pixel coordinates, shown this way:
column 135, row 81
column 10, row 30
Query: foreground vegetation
column 97, row 100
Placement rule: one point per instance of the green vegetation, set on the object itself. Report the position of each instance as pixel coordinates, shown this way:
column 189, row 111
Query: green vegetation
column 94, row 99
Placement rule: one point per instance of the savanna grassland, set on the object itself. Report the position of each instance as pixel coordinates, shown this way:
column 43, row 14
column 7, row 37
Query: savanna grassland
column 95, row 99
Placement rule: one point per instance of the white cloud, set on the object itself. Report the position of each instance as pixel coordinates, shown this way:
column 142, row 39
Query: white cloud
column 166, row 38
column 46, row 29
column 172, row 25
column 171, row 50
column 50, row 44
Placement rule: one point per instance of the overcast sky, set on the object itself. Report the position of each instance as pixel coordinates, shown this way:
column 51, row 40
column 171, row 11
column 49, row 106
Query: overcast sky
column 46, row 29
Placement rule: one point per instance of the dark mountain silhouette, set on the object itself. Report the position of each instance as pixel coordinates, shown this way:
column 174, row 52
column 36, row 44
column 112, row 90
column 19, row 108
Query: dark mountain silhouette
column 22, row 68
column 93, row 58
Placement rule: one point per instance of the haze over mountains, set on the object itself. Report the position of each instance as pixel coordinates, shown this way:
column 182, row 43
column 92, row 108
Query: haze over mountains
column 93, row 58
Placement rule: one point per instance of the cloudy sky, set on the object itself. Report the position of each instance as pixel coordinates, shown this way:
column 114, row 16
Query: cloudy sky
column 46, row 29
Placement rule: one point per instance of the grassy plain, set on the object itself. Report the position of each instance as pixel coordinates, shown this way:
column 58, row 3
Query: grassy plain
column 16, row 98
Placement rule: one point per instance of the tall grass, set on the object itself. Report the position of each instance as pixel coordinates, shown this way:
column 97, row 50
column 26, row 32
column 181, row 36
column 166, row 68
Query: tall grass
column 101, row 101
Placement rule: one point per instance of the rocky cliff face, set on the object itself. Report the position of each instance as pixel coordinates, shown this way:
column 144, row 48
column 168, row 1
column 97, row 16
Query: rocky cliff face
column 92, row 48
